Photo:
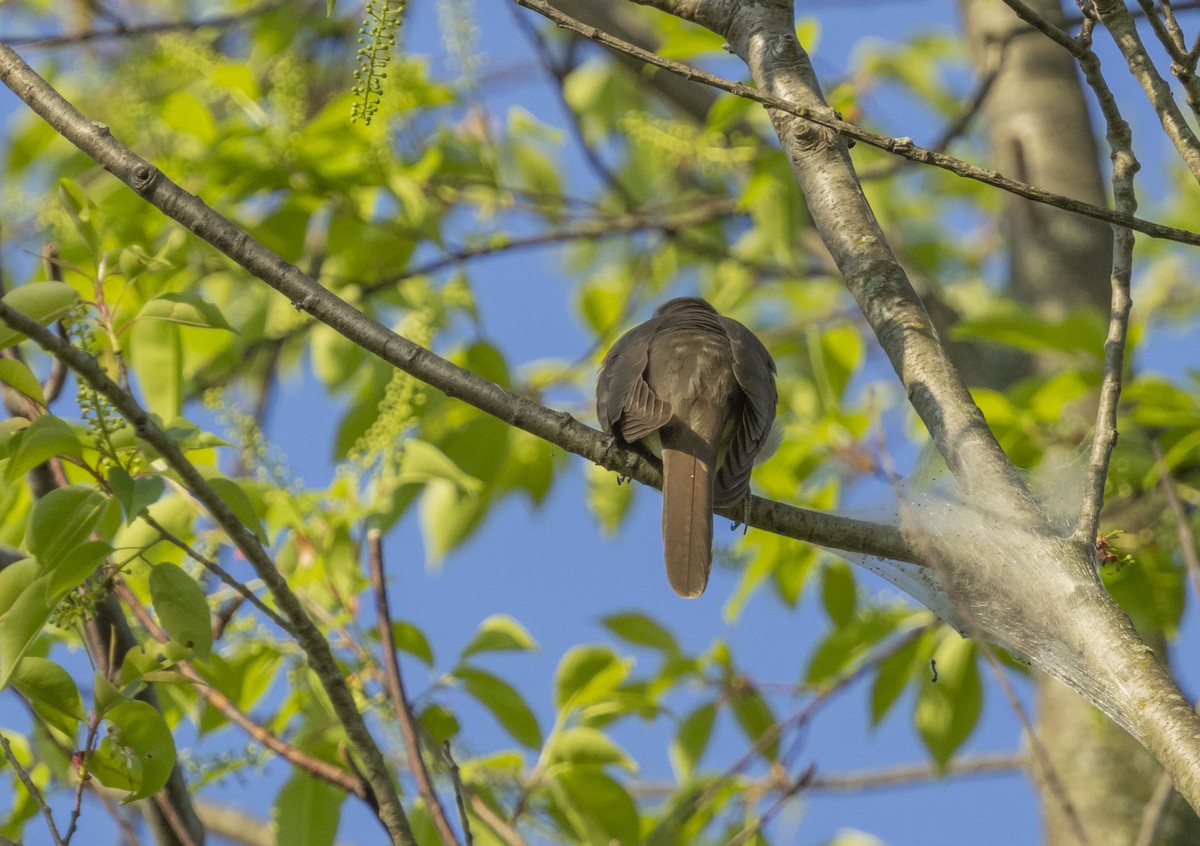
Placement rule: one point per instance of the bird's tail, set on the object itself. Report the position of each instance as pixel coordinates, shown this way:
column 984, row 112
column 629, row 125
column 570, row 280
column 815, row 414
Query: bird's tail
column 687, row 520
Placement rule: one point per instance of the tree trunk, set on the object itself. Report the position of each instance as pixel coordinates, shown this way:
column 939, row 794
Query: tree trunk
column 1040, row 132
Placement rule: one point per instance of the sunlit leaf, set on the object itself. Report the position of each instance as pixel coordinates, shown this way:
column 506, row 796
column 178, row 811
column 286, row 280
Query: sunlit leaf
column 505, row 703
column 307, row 811
column 948, row 709
column 499, row 633
column 182, row 608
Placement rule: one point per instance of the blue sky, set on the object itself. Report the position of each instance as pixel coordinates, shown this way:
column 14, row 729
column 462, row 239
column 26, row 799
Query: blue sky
column 553, row 571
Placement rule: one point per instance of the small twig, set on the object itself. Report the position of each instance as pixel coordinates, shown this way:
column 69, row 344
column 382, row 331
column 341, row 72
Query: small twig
column 898, row 776
column 121, row 30
column 31, row 788
column 1121, row 27
column 587, row 230
column 394, row 683
column 460, row 792
column 795, row 786
column 217, row 570
column 1125, row 165
column 495, row 822
column 315, row 767
column 171, row 815
column 1187, row 541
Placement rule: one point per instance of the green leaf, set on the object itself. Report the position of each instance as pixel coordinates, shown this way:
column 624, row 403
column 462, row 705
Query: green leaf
column 599, row 805
column 440, row 723
column 63, row 519
column 641, row 630
column 1080, row 333
column 23, row 596
column 44, row 438
column 755, row 718
column 892, row 676
column 182, row 608
column 52, row 693
column 608, row 497
column 587, row 674
column 504, row 702
column 44, row 302
column 184, row 309
column 20, row 378
column 691, row 740
column 74, row 567
column 583, row 745
column 838, row 592
column 844, row 647
column 307, row 811
column 412, row 640
column 500, row 633
column 134, row 495
column 948, row 709
column 155, row 351
column 138, row 753
column 82, row 212
column 423, row 463
column 449, row 515
column 239, row 503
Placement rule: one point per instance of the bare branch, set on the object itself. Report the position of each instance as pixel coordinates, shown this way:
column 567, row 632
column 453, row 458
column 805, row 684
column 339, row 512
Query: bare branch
column 1121, row 26
column 32, row 789
column 1125, row 165
column 395, row 688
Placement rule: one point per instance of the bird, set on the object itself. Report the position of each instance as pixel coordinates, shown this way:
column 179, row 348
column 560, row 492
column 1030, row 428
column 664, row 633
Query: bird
column 696, row 389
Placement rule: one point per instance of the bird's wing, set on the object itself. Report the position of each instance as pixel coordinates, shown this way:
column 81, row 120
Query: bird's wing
column 755, row 372
column 625, row 404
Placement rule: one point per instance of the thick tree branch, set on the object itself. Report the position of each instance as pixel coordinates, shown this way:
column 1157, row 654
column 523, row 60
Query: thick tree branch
column 1045, row 601
column 305, row 294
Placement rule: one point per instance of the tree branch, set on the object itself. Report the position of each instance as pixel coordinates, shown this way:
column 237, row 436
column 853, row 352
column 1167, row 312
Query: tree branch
column 315, row 767
column 1121, row 26
column 305, row 294
column 316, row 648
column 903, row 147
column 395, row 689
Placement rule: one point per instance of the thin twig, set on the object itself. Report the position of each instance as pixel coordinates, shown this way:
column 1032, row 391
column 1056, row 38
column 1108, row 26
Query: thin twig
column 30, row 787
column 460, row 793
column 216, row 569
column 797, row 784
column 1125, row 165
column 903, row 147
column 320, row 656
column 395, row 688
column 1121, row 27
column 1187, row 541
column 495, row 822
column 142, row 30
column 315, row 767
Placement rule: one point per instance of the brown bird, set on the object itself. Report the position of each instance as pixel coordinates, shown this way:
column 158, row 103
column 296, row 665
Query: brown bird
column 698, row 390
